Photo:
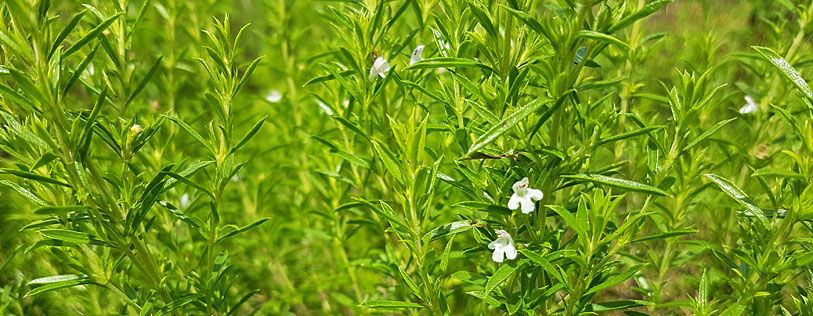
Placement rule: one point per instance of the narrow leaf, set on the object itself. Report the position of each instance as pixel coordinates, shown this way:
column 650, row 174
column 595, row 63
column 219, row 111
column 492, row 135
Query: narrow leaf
column 615, row 182
column 738, row 195
column 786, row 69
column 504, row 125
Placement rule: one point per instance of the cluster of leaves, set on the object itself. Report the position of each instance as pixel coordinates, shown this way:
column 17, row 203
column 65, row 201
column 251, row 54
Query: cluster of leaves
column 319, row 186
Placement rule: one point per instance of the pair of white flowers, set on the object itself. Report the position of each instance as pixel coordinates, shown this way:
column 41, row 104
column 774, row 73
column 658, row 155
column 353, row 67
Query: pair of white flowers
column 523, row 198
column 381, row 67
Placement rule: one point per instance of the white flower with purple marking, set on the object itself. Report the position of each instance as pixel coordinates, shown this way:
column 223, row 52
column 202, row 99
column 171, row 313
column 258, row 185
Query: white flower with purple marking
column 503, row 247
column 417, row 55
column 524, row 197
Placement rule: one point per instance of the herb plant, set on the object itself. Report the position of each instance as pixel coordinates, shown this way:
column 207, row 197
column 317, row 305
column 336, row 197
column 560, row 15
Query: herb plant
column 406, row 157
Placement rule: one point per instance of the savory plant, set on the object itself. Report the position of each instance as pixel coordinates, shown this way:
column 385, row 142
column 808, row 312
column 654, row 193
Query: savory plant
column 420, row 157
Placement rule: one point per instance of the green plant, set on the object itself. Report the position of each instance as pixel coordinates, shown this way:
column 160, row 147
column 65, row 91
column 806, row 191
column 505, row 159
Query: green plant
column 406, row 157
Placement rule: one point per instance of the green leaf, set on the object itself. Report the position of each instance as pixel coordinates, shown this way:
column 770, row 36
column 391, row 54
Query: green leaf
column 243, row 229
column 247, row 74
column 65, row 32
column 56, row 282
column 389, row 161
column 80, row 69
column 57, row 278
column 144, row 81
column 618, row 278
column 179, row 214
column 33, row 176
column 505, row 271
column 779, row 173
column 451, row 229
column 356, row 160
column 410, row 283
column 350, row 126
column 70, row 236
column 615, row 182
column 630, row 134
column 87, row 130
column 542, row 262
column 249, row 135
column 59, row 210
column 669, row 234
column 180, row 302
column 733, row 310
column 483, row 18
column 193, row 133
column 578, row 226
column 601, row 37
column 707, row 133
column 786, row 69
column 329, row 77
column 242, row 300
column 444, row 257
column 189, row 183
column 738, row 195
column 504, row 125
column 640, row 14
column 188, row 171
column 469, row 277
column 490, row 208
column 447, row 62
column 24, row 192
column 616, row 305
column 90, row 35
column 385, row 304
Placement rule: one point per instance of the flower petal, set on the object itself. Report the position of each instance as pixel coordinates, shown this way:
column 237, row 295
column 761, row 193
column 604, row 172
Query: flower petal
column 380, row 68
column 527, row 205
column 510, row 252
column 534, row 194
column 513, row 203
column 416, row 55
column 521, row 184
column 498, row 255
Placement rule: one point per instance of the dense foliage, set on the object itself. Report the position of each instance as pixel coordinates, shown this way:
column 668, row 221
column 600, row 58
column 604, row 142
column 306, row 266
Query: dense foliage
column 432, row 157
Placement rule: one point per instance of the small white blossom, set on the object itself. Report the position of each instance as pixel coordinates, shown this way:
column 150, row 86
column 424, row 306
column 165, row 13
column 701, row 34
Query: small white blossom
column 417, row 55
column 185, row 200
column 274, row 96
column 524, row 196
column 380, row 68
column 749, row 107
column 503, row 247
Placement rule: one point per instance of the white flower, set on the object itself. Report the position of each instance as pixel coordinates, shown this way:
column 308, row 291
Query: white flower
column 185, row 200
column 416, row 55
column 274, row 96
column 749, row 107
column 523, row 196
column 503, row 247
column 380, row 68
